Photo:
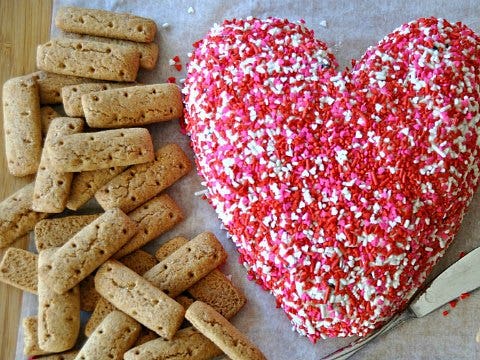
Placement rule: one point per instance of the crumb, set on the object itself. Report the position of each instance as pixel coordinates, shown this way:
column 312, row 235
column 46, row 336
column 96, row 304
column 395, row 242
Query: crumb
column 323, row 23
column 191, row 10
column 478, row 336
column 165, row 25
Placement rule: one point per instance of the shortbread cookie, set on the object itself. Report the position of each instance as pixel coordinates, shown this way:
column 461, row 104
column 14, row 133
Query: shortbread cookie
column 19, row 269
column 153, row 218
column 56, row 232
column 133, row 106
column 67, row 355
column 222, row 333
column 52, row 186
column 47, row 114
column 132, row 294
column 187, row 343
column 87, row 249
column 169, row 247
column 217, row 291
column 115, row 335
column 101, row 150
column 16, row 215
column 140, row 262
column 102, row 309
column 89, row 297
column 146, row 335
column 88, row 59
column 85, row 184
column 58, row 314
column 30, row 336
column 105, row 23
column 72, row 95
column 148, row 51
column 50, row 85
column 140, row 183
column 22, row 125
column 187, row 265
column 185, row 301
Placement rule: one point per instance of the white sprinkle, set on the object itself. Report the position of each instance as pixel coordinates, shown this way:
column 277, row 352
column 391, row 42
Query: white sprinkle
column 191, row 10
column 182, row 80
column 165, row 25
column 378, row 107
column 323, row 23
column 201, row 192
column 171, row 62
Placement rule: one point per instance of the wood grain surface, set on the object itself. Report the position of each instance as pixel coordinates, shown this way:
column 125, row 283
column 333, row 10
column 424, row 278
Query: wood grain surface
column 24, row 24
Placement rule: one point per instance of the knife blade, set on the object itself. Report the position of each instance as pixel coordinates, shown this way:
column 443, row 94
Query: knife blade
column 461, row 277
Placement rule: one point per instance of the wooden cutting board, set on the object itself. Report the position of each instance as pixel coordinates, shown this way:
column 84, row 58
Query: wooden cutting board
column 24, row 24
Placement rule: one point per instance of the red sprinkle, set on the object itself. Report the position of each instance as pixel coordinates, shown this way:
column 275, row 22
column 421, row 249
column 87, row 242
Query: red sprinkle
column 461, row 255
column 453, row 303
column 445, row 312
column 178, row 67
column 172, row 80
column 464, row 296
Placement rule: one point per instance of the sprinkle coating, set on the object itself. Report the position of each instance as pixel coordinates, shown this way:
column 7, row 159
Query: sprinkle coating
column 341, row 190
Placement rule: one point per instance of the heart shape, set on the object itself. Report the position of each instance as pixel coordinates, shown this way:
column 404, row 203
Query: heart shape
column 341, row 190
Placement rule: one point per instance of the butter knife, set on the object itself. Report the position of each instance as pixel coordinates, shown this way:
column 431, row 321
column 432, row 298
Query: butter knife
column 461, row 277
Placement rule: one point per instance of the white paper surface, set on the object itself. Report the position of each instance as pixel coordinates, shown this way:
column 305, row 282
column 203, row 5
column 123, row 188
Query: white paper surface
column 351, row 26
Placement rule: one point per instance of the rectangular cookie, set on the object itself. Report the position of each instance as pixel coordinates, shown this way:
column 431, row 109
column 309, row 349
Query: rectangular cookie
column 222, row 333
column 169, row 247
column 19, row 269
column 187, row 343
column 217, row 291
column 102, row 309
column 30, row 333
column 56, row 232
column 146, row 335
column 85, row 184
column 50, row 85
column 154, row 218
column 16, row 215
column 47, row 114
column 136, row 185
column 67, row 355
column 132, row 294
column 58, row 314
column 187, row 265
column 105, row 23
column 113, row 336
column 52, row 187
column 22, row 125
column 140, row 262
column 148, row 51
column 88, row 59
column 89, row 297
column 101, row 150
column 87, row 250
column 133, row 106
column 72, row 95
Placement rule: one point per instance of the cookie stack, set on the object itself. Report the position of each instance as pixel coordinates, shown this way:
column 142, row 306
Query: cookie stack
column 102, row 150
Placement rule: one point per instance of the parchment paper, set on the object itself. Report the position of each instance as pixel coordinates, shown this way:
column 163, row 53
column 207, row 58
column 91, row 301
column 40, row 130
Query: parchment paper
column 351, row 26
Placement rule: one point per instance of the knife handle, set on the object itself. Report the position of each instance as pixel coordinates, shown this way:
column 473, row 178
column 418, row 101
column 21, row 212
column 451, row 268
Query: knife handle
column 347, row 351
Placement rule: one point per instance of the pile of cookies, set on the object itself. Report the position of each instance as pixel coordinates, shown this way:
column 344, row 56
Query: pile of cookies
column 94, row 262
